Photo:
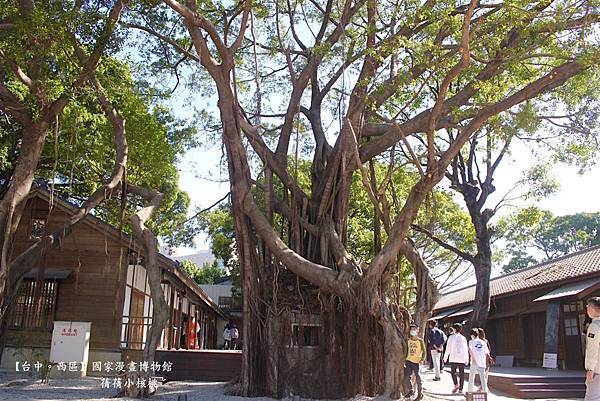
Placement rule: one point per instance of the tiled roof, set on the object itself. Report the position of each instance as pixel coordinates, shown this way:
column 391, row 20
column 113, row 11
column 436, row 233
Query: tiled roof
column 579, row 264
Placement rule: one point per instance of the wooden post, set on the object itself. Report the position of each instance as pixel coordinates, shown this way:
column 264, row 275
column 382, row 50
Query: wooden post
column 187, row 326
column 179, row 322
column 171, row 316
column 196, row 316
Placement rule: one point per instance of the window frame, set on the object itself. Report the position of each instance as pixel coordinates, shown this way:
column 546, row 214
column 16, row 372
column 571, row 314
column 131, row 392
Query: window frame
column 26, row 315
column 318, row 327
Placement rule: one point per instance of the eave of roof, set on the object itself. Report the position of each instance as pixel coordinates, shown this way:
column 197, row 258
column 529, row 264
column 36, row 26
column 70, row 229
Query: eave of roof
column 129, row 242
column 467, row 295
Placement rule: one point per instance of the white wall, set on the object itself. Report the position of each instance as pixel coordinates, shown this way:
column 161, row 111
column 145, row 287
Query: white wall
column 214, row 291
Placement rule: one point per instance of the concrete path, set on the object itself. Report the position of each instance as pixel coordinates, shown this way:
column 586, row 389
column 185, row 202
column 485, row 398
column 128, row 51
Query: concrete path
column 442, row 390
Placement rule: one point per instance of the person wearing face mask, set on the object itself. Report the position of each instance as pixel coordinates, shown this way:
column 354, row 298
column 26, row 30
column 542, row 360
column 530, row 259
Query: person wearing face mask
column 457, row 354
column 479, row 352
column 415, row 355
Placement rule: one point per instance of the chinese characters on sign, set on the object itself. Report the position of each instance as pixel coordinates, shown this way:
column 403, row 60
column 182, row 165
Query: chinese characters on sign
column 106, row 367
column 69, row 332
column 117, row 382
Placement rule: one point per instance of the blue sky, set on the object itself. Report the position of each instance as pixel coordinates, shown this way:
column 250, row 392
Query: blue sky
column 578, row 193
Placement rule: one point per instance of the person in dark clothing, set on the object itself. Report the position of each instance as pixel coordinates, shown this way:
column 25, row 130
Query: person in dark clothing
column 437, row 339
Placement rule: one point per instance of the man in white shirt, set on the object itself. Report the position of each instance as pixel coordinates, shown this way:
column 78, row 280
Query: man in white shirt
column 479, row 351
column 592, row 351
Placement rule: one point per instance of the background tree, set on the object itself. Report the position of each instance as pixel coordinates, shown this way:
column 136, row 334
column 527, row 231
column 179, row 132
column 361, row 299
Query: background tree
column 393, row 74
column 63, row 104
column 218, row 225
column 534, row 235
column 208, row 273
column 472, row 173
column 39, row 73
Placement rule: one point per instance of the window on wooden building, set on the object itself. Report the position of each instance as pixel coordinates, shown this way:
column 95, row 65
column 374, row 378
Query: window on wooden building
column 31, row 313
column 305, row 335
column 571, row 327
column 137, row 309
column 37, row 228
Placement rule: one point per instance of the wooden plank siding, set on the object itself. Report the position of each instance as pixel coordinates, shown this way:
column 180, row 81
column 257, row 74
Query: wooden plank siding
column 94, row 290
column 98, row 256
column 522, row 334
column 200, row 365
column 516, row 325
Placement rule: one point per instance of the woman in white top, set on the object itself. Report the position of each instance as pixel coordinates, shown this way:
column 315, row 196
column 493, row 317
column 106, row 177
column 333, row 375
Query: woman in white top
column 479, row 352
column 457, row 355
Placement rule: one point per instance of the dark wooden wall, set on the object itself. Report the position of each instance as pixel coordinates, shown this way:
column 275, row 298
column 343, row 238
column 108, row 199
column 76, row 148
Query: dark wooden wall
column 516, row 326
column 94, row 291
column 201, row 365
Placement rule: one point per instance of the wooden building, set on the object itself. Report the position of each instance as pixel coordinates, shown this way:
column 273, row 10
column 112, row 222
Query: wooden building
column 98, row 276
column 535, row 313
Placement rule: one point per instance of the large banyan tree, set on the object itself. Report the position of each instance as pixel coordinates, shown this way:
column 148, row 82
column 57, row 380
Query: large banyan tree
column 365, row 80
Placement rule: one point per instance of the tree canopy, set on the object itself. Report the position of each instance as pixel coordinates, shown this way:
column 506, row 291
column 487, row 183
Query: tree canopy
column 208, row 273
column 341, row 86
column 535, row 235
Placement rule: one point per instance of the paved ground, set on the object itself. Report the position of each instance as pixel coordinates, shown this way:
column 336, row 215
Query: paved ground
column 14, row 388
column 442, row 390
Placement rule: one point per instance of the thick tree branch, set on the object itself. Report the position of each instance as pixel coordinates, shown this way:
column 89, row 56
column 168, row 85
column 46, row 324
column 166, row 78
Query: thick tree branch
column 194, row 18
column 465, row 255
column 89, row 66
column 454, row 72
column 26, row 260
column 240, row 38
column 19, row 73
column 269, row 158
column 301, row 82
column 164, row 38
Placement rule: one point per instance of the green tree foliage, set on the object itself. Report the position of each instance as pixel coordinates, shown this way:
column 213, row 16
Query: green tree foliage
column 208, row 273
column 79, row 151
column 535, row 235
column 218, row 225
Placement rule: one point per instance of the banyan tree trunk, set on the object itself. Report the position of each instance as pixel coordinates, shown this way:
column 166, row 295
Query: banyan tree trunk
column 299, row 339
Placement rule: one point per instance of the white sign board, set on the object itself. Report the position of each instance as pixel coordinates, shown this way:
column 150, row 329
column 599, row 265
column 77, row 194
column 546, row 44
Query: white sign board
column 70, row 344
column 550, row 361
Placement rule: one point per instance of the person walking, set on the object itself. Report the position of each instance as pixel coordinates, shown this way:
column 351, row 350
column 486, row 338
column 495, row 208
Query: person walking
column 479, row 352
column 437, row 338
column 490, row 358
column 227, row 336
column 592, row 351
column 234, row 334
column 415, row 355
column 457, row 355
